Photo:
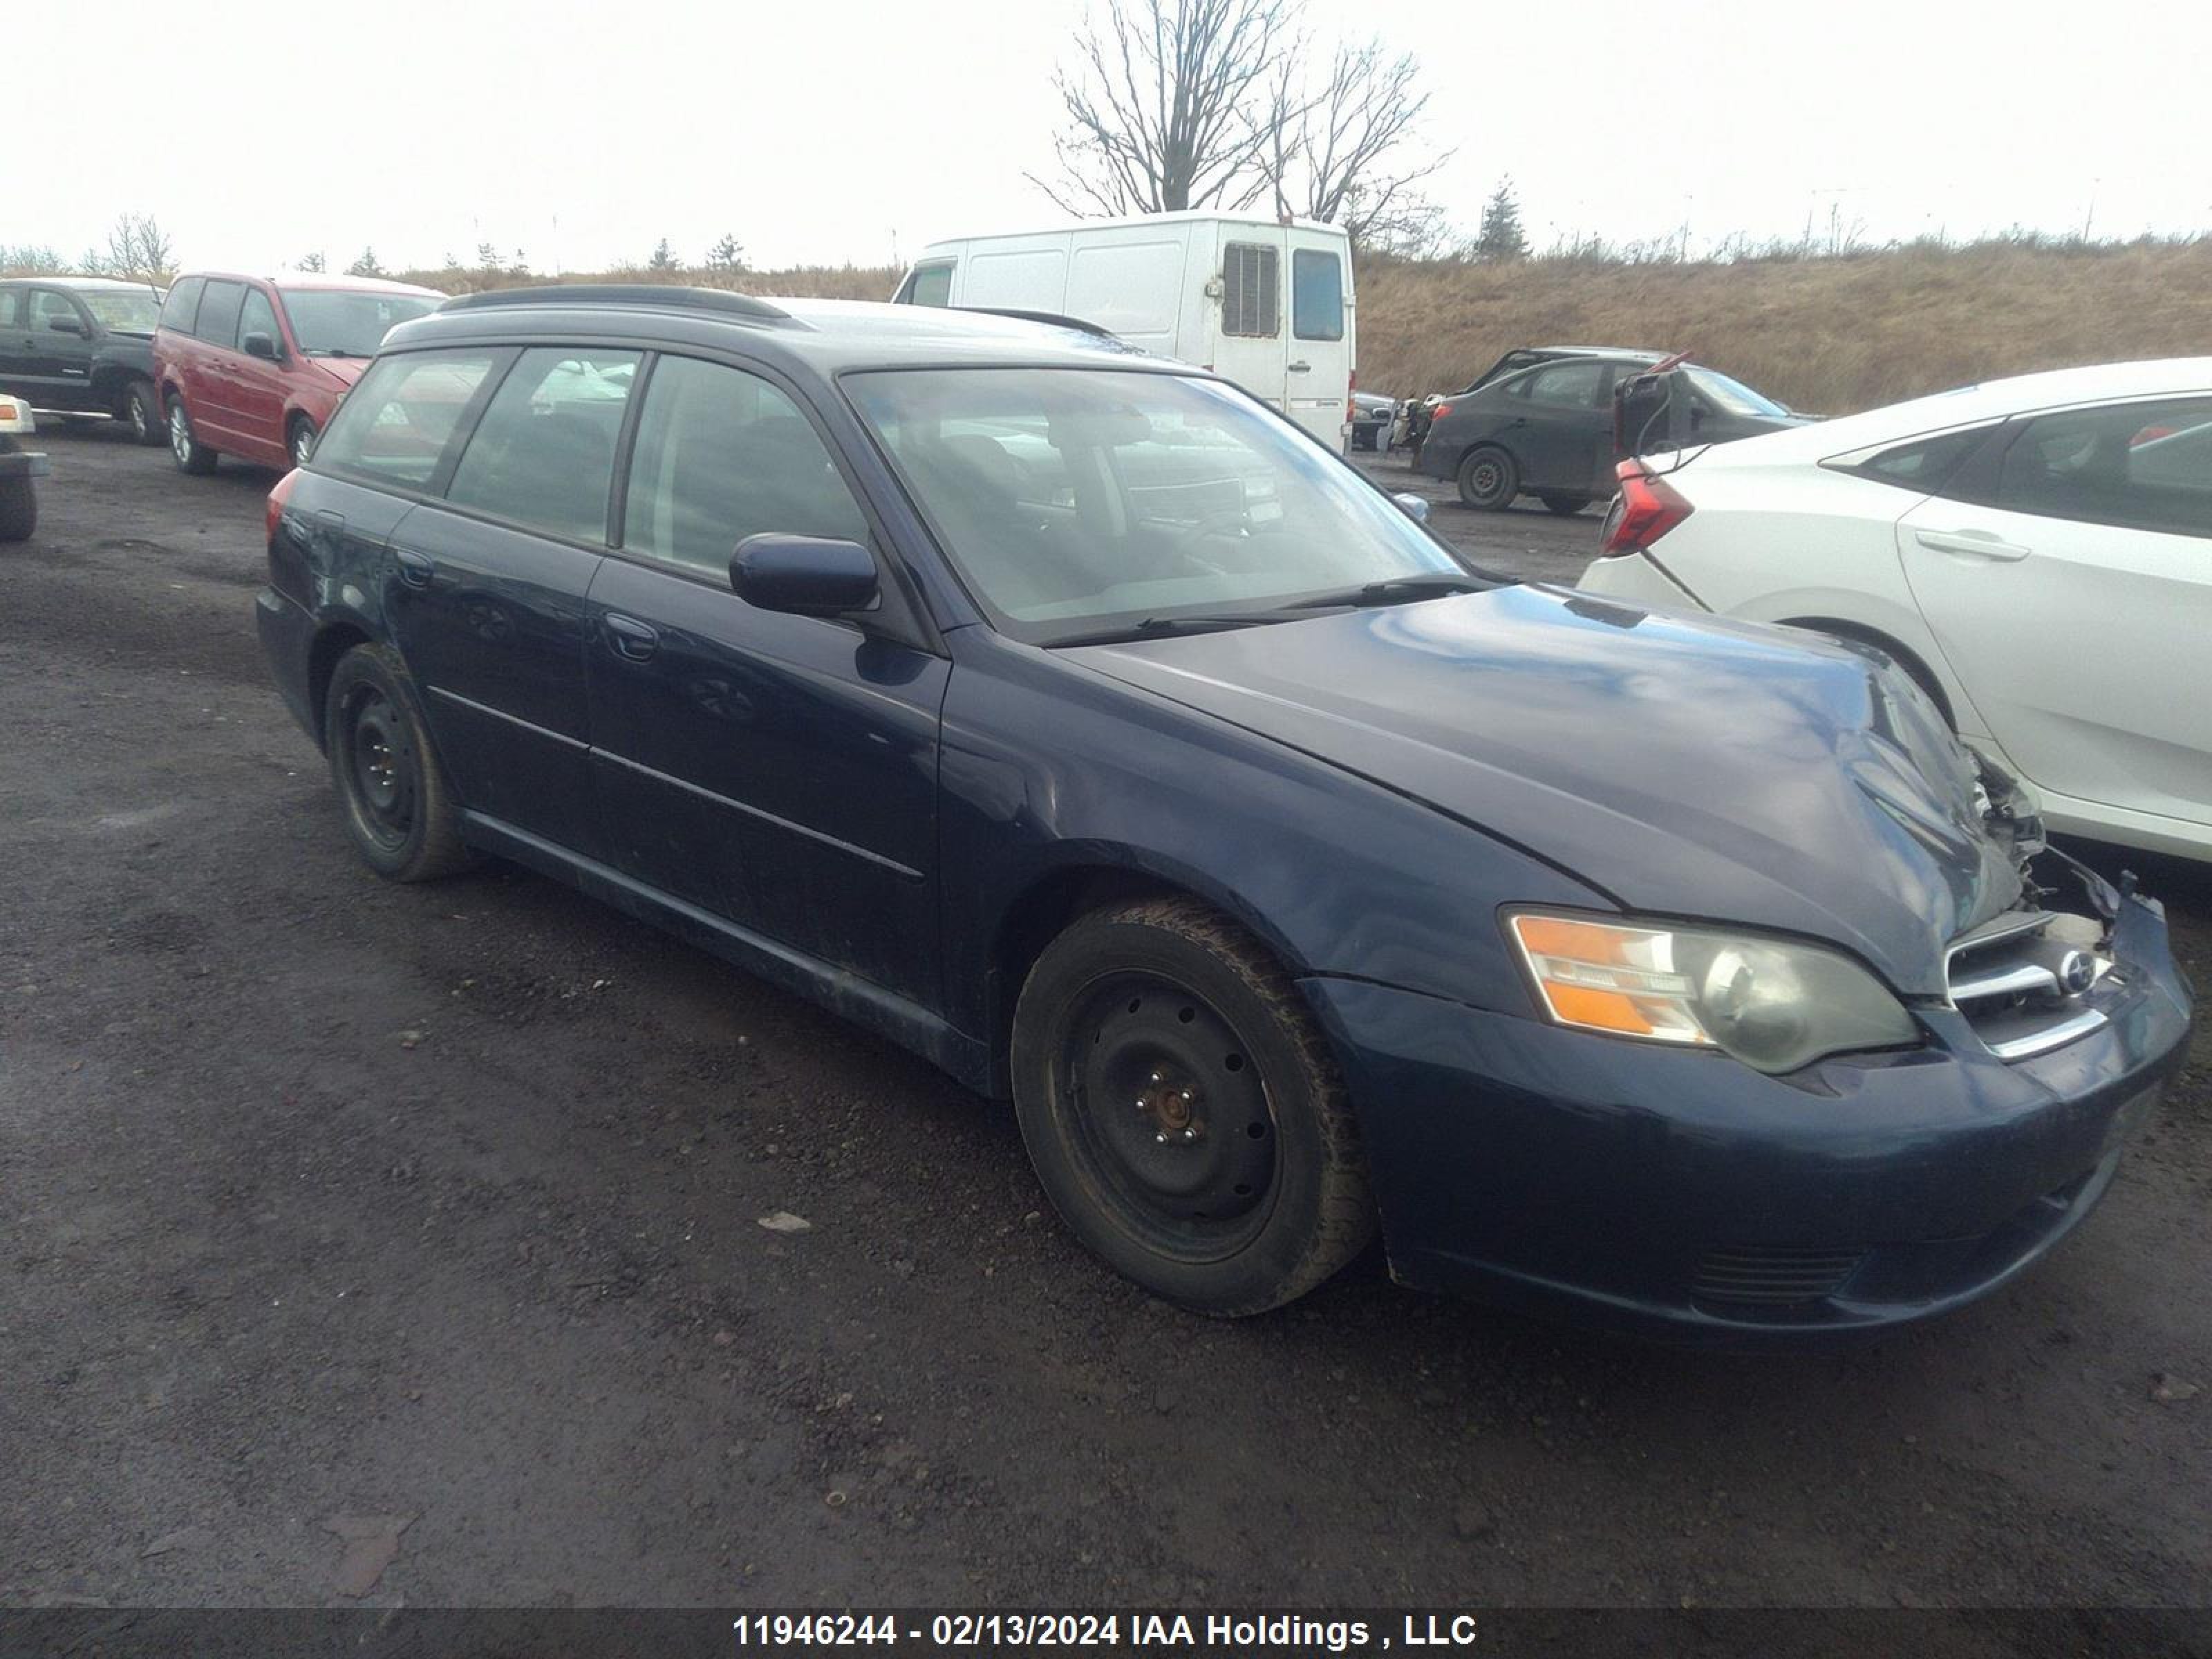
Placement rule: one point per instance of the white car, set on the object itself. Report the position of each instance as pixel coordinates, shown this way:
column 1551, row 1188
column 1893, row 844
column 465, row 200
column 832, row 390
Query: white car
column 2036, row 552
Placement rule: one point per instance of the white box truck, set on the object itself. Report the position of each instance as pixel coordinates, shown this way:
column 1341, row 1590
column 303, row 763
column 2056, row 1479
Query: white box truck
column 1261, row 302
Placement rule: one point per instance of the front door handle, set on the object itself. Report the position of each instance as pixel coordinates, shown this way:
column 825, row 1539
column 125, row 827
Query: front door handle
column 414, row 568
column 1973, row 544
column 1300, row 368
column 630, row 638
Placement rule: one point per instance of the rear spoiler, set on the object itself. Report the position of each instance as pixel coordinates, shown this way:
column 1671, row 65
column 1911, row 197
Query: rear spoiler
column 1050, row 319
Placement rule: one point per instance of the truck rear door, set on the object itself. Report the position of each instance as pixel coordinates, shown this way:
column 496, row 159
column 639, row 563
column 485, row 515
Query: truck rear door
column 1318, row 376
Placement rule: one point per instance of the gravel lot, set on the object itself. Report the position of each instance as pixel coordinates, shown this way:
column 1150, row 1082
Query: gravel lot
column 348, row 1225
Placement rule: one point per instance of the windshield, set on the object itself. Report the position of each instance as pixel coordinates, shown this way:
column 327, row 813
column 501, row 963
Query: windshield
column 127, row 311
column 1732, row 397
column 1078, row 503
column 334, row 323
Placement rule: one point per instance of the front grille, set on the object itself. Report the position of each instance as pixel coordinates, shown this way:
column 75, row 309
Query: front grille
column 2019, row 981
column 1772, row 1275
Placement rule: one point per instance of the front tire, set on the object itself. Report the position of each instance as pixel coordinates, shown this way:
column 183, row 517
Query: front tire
column 399, row 809
column 191, row 454
column 141, row 414
column 1489, row 478
column 301, row 440
column 1182, row 1112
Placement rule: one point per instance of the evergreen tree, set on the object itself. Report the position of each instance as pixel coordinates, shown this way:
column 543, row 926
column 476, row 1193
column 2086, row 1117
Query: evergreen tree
column 366, row 265
column 1501, row 236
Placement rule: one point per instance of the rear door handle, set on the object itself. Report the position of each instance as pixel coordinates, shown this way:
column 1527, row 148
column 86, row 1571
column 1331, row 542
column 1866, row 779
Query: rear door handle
column 1300, row 368
column 1973, row 544
column 414, row 568
column 630, row 637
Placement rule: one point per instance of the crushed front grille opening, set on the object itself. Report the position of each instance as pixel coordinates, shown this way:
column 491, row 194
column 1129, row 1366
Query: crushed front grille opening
column 2019, row 980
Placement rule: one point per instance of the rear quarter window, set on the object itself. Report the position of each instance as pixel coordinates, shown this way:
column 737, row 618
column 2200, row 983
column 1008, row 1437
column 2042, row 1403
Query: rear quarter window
column 395, row 427
column 217, row 323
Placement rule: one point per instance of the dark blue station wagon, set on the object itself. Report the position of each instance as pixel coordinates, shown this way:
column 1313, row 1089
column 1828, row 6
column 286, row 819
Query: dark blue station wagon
column 1076, row 722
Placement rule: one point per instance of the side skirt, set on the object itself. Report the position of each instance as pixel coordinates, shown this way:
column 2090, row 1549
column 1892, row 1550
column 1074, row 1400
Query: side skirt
column 847, row 995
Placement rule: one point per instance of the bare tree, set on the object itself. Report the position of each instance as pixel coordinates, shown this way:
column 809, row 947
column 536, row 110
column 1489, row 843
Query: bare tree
column 1340, row 154
column 1160, row 106
column 138, row 251
column 31, row 259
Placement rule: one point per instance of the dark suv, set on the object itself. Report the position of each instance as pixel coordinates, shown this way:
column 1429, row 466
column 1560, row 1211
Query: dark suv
column 82, row 345
column 1077, row 721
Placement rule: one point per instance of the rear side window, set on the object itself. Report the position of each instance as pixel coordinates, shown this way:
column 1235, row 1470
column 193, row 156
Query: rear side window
column 543, row 454
column 394, row 426
column 2138, row 466
column 11, row 307
column 722, row 455
column 1564, row 386
column 1925, row 464
column 1316, row 295
column 219, row 308
column 929, row 285
column 1251, row 291
column 184, row 303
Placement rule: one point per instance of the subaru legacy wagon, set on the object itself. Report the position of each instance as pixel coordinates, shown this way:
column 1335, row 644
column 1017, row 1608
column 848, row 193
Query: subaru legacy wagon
column 1076, row 722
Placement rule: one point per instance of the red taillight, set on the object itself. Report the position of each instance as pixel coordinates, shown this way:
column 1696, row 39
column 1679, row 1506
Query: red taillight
column 1647, row 508
column 1351, row 403
column 1439, row 412
column 278, row 497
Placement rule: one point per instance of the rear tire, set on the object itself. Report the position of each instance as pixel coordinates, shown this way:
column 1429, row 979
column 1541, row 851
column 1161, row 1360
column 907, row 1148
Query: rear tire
column 191, row 454
column 141, row 414
column 1489, row 478
column 1566, row 506
column 1182, row 1111
column 399, row 810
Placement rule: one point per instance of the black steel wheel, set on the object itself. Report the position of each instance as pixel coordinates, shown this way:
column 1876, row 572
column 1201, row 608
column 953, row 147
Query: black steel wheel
column 1488, row 478
column 1182, row 1111
column 399, row 811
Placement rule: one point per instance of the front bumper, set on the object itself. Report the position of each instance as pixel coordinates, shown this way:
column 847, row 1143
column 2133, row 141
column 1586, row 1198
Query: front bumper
column 1683, row 1194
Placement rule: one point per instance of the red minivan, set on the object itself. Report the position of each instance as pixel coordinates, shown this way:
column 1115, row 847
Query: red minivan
column 253, row 365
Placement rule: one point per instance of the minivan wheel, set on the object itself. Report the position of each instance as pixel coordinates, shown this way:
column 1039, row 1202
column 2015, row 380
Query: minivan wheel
column 142, row 413
column 1488, row 478
column 301, row 440
column 397, row 807
column 1182, row 1111
column 191, row 455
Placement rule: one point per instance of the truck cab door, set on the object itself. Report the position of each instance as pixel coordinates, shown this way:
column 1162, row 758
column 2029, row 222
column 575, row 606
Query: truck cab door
column 60, row 357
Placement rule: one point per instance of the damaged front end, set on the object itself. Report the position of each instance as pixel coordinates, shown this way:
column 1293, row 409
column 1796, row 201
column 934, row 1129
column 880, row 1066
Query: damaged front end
column 2052, row 968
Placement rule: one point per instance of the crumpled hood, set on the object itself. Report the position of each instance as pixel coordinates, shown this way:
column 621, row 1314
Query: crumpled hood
column 1692, row 766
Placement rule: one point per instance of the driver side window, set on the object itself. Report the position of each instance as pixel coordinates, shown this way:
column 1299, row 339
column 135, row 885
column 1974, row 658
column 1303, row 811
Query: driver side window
column 721, row 455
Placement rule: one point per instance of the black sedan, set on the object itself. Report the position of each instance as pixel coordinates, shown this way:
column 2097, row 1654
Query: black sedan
column 1066, row 717
column 1549, row 430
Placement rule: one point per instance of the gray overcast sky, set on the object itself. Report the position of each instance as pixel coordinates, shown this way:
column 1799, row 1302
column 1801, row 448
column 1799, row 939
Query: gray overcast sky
column 581, row 133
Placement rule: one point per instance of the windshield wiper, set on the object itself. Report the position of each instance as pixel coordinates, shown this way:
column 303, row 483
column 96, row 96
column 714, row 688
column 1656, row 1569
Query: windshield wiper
column 1155, row 627
column 1395, row 589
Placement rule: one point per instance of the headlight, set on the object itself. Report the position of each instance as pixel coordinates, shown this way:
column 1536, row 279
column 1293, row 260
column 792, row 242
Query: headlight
column 1774, row 1004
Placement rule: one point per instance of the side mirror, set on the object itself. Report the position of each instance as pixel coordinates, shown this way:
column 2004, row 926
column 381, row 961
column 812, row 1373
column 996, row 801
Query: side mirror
column 260, row 345
column 68, row 325
column 804, row 576
column 1415, row 507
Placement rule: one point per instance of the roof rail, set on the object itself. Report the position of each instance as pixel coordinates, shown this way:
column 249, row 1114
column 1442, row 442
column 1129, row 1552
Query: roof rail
column 644, row 296
column 1052, row 318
